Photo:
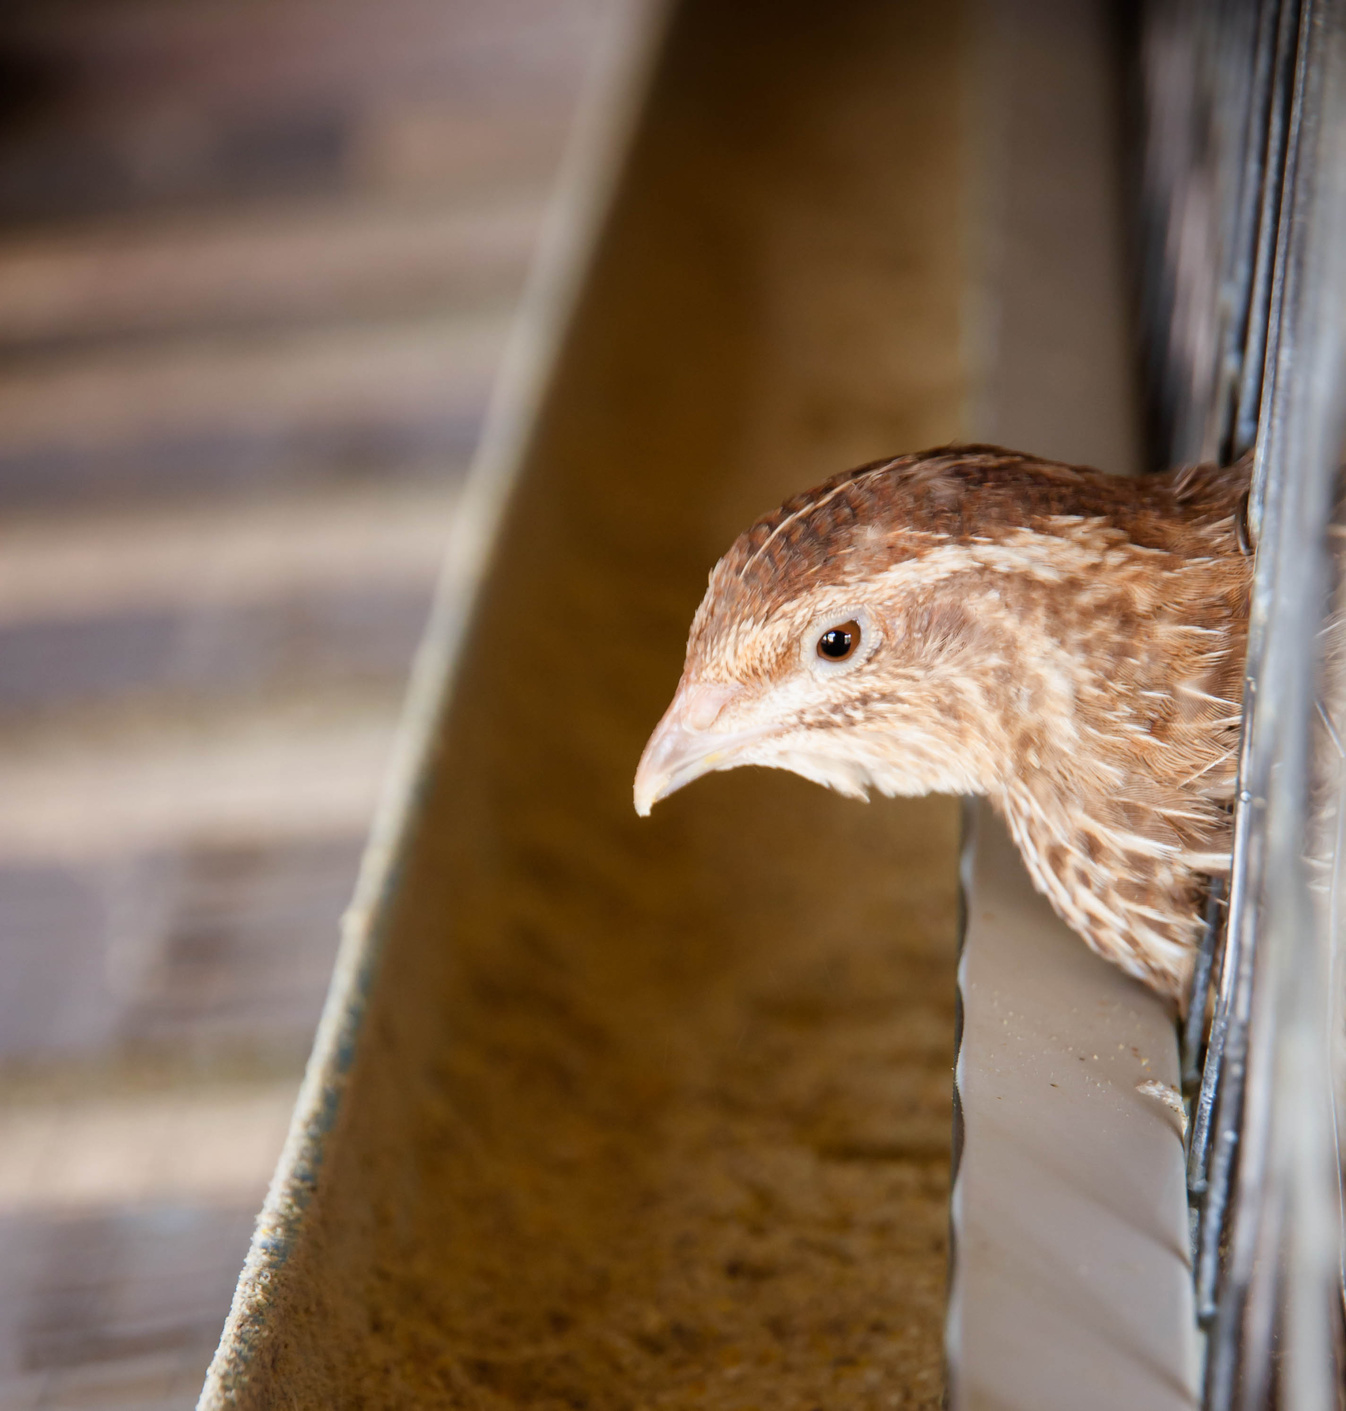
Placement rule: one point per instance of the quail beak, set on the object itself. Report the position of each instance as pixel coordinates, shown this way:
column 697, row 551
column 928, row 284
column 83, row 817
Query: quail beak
column 685, row 744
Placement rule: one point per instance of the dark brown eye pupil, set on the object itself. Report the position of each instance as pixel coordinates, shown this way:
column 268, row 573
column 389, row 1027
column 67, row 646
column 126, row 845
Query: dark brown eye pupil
column 837, row 643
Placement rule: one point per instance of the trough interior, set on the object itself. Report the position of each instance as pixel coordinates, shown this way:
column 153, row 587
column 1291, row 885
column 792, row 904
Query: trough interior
column 658, row 1112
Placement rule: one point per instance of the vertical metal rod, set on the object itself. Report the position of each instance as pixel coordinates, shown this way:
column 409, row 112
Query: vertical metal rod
column 1292, row 34
column 1198, row 995
column 1236, row 289
column 1257, row 355
column 1198, row 1157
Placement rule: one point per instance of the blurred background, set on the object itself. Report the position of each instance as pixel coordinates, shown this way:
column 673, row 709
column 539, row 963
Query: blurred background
column 257, row 262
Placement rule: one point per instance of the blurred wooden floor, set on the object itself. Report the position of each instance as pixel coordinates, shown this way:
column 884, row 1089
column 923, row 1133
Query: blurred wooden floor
column 256, row 267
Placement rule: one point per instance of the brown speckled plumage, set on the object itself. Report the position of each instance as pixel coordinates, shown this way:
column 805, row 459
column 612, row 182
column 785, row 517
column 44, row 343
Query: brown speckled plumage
column 1067, row 643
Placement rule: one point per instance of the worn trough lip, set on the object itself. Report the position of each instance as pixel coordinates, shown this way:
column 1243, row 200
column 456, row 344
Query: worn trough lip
column 605, row 126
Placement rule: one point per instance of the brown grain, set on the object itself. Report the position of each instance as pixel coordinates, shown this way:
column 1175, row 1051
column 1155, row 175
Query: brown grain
column 658, row 1114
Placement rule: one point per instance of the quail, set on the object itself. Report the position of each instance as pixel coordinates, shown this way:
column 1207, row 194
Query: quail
column 969, row 620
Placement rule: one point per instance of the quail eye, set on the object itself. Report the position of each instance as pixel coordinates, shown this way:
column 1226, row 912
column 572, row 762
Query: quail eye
column 839, row 642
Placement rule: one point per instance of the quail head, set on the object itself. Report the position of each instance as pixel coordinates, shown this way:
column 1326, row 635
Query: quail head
column 972, row 621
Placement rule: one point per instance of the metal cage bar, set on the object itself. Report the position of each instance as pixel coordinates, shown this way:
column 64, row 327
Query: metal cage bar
column 1245, row 310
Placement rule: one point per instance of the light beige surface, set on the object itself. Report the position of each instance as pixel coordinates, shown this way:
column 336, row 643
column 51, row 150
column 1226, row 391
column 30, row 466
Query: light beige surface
column 198, row 1143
